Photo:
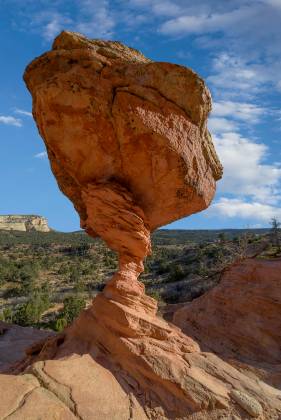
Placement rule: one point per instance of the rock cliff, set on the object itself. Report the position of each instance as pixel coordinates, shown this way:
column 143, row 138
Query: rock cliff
column 25, row 223
column 128, row 143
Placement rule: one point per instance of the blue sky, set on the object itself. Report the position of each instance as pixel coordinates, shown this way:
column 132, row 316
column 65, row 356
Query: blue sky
column 234, row 46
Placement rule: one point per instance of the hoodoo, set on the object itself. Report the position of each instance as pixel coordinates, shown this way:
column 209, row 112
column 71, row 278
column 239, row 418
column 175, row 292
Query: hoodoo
column 128, row 143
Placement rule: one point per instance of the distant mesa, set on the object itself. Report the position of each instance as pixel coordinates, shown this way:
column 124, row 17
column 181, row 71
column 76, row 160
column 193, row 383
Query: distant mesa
column 24, row 223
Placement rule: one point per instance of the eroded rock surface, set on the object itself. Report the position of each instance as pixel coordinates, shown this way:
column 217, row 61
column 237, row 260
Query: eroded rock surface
column 128, row 144
column 240, row 318
column 14, row 340
column 107, row 113
column 119, row 361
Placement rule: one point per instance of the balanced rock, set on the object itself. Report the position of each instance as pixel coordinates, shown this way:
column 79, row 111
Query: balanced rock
column 128, row 143
column 109, row 114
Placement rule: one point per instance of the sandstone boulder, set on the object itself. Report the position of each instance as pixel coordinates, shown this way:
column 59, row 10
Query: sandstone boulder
column 107, row 113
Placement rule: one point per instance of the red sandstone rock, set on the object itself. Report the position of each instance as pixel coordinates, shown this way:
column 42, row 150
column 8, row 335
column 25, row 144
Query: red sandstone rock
column 107, row 113
column 14, row 340
column 119, row 361
column 128, row 144
column 241, row 317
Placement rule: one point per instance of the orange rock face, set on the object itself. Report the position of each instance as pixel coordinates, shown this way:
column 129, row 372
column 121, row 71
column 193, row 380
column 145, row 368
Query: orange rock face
column 108, row 114
column 129, row 145
column 119, row 361
column 241, row 317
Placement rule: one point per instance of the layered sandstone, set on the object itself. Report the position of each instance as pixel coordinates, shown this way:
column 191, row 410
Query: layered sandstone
column 119, row 361
column 128, row 144
column 25, row 223
column 240, row 318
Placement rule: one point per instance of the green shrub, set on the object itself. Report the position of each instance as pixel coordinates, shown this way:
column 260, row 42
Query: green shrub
column 6, row 315
column 74, row 275
column 60, row 324
column 176, row 273
column 29, row 313
column 73, row 305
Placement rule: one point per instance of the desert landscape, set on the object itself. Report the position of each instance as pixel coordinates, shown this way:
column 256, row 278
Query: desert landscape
column 124, row 320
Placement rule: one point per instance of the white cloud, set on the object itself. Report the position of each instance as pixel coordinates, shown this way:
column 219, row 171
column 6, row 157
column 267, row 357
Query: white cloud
column 50, row 23
column 221, row 125
column 41, row 155
column 53, row 27
column 245, row 174
column 159, row 7
column 206, row 23
column 233, row 76
column 93, row 19
column 244, row 26
column 274, row 3
column 252, row 57
column 233, row 207
column 23, row 112
column 243, row 111
column 229, row 116
column 9, row 120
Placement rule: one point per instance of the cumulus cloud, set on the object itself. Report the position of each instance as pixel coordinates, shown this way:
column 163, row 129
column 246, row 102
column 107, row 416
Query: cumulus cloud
column 220, row 125
column 232, row 76
column 9, row 120
column 229, row 116
column 242, row 111
column 234, row 207
column 206, row 23
column 237, row 21
column 245, row 173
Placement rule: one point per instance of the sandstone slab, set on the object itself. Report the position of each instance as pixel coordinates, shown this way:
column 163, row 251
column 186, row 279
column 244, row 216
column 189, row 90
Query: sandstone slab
column 245, row 309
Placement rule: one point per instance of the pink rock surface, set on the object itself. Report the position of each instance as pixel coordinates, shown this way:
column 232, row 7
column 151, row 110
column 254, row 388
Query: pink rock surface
column 240, row 318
